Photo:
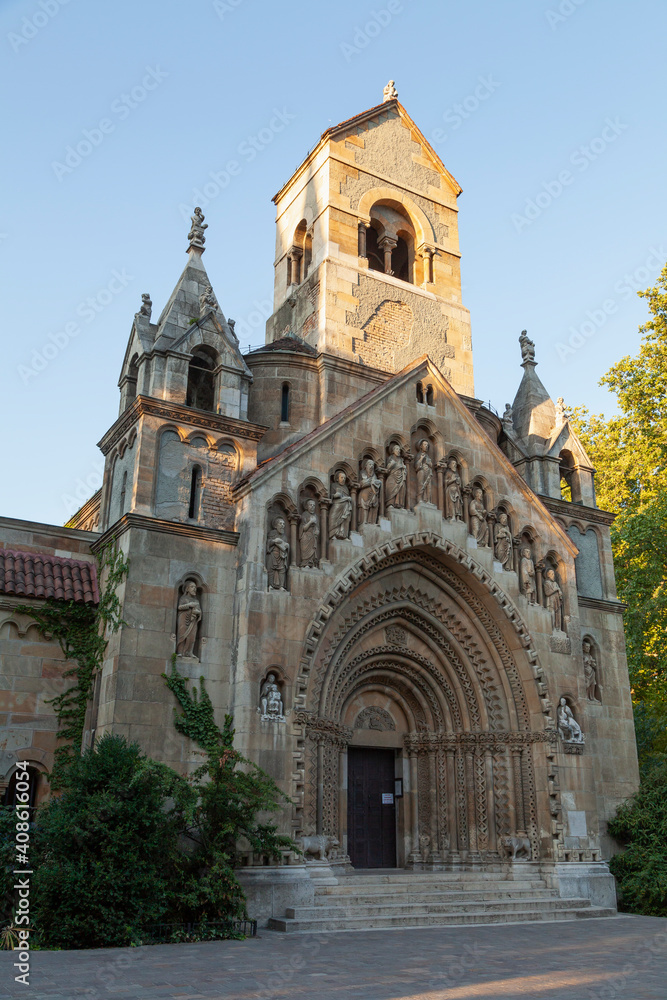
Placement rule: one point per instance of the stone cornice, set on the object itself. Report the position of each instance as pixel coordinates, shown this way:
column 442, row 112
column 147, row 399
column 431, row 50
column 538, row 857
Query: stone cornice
column 615, row 607
column 577, row 511
column 143, row 523
column 146, row 406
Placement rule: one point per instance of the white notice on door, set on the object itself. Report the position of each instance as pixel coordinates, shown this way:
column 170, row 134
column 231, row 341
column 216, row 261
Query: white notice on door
column 387, row 798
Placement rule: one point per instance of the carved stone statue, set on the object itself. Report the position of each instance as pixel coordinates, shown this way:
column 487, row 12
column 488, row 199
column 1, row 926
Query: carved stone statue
column 207, row 300
column 271, row 701
column 479, row 527
column 508, row 419
column 397, row 476
column 553, row 596
column 189, row 617
column 340, row 512
column 590, row 671
column 527, row 575
column 527, row 347
column 453, row 494
column 369, row 494
column 146, row 306
column 309, row 534
column 568, row 727
column 424, row 470
column 231, row 323
column 389, row 93
column 560, row 411
column 502, row 541
column 196, row 234
column 277, row 555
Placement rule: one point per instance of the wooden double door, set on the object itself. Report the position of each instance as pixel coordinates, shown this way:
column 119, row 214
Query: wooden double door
column 371, row 808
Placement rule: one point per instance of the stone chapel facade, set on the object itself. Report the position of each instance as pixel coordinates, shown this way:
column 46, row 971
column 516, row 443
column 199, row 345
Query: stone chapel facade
column 379, row 577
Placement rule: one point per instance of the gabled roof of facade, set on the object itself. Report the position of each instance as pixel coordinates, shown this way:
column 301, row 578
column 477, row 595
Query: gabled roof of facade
column 359, row 123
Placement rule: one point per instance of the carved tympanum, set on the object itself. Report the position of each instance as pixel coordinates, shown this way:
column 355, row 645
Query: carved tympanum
column 277, row 554
column 397, row 475
column 396, row 635
column 340, row 511
column 189, row 617
column 375, row 718
column 309, row 534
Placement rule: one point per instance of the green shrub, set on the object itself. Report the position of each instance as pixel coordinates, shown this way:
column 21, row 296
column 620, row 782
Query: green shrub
column 640, row 826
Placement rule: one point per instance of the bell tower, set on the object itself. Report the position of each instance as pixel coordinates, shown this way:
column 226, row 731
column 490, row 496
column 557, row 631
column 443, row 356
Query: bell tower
column 367, row 261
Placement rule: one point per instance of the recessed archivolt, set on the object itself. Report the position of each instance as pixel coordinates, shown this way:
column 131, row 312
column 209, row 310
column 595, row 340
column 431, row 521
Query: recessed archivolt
column 423, row 549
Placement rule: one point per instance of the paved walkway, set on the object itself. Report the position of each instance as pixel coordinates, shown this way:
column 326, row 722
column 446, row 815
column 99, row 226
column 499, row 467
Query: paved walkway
column 622, row 958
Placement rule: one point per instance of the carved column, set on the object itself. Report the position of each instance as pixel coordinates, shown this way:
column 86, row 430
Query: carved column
column 295, row 255
column 415, row 853
column 342, row 797
column 516, row 553
column 471, row 788
column 465, row 493
column 427, row 256
column 354, row 490
column 440, row 468
column 293, row 523
column 320, row 785
column 450, row 764
column 362, row 239
column 433, row 782
column 539, row 570
column 461, row 800
column 519, row 812
column 387, row 244
column 325, row 503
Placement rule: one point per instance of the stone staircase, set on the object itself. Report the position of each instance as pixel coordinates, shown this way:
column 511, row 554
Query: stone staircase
column 361, row 901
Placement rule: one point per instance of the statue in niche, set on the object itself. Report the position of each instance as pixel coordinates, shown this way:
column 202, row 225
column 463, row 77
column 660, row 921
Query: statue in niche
column 479, row 527
column 196, row 234
column 397, row 477
column 146, row 306
column 271, row 701
column 508, row 419
column 207, row 300
column 340, row 512
column 277, row 555
column 568, row 727
column 424, row 470
column 369, row 494
column 502, row 541
column 527, row 347
column 527, row 575
column 453, row 494
column 309, row 534
column 189, row 617
column 590, row 671
column 553, row 596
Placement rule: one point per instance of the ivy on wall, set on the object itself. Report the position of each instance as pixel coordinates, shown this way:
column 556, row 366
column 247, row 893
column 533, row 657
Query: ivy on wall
column 82, row 632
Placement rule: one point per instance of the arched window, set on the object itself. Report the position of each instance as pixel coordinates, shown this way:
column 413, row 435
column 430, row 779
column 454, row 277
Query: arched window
column 123, row 493
column 390, row 241
column 568, row 479
column 284, row 403
column 419, row 391
column 201, row 381
column 132, row 375
column 373, row 252
column 195, row 492
column 430, row 396
column 400, row 262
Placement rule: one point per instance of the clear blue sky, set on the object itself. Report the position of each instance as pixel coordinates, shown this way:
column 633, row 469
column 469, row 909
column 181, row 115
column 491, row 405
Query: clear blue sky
column 550, row 76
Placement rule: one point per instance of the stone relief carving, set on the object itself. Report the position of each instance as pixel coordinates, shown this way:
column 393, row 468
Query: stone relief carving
column 146, row 306
column 189, row 617
column 271, row 705
column 340, row 512
column 590, row 671
column 424, row 470
column 527, row 574
column 396, row 636
column 309, row 534
column 368, row 504
column 502, row 541
column 453, row 491
column 389, row 93
column 479, row 527
column 527, row 347
column 375, row 718
column 397, row 476
column 207, row 300
column 553, row 597
column 277, row 554
column 196, row 234
column 569, row 729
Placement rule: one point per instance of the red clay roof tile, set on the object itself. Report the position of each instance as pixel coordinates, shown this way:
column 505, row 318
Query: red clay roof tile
column 33, row 574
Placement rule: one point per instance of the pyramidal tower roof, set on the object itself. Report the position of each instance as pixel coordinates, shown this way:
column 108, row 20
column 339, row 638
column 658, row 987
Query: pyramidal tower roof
column 533, row 410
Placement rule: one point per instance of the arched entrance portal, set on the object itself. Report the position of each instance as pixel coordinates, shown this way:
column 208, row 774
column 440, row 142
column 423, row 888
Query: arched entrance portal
column 418, row 680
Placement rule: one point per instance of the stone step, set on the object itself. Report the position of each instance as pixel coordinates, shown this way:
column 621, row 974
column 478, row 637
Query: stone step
column 354, row 888
column 436, row 896
column 417, row 906
column 434, row 920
